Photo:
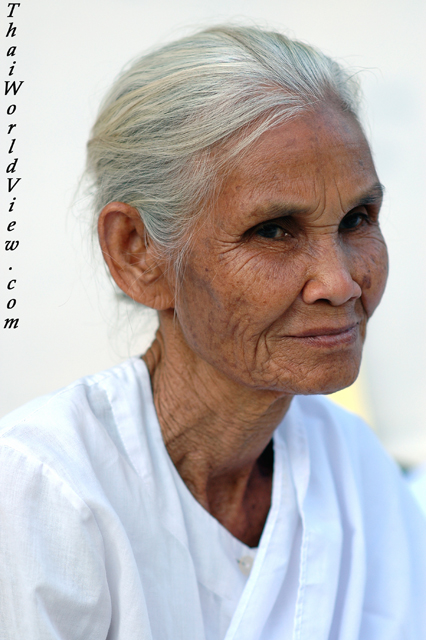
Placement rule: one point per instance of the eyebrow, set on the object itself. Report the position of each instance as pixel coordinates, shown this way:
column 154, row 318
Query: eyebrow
column 278, row 210
column 374, row 195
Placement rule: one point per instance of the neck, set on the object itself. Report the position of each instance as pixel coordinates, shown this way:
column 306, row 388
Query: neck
column 216, row 432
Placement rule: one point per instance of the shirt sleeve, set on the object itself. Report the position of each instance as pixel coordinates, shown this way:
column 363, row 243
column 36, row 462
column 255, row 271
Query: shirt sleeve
column 53, row 582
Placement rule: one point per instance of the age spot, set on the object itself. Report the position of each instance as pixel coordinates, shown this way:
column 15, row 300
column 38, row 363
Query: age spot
column 366, row 282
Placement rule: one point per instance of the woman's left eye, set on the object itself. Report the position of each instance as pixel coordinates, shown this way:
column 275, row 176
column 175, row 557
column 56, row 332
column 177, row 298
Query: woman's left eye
column 354, row 221
column 272, row 231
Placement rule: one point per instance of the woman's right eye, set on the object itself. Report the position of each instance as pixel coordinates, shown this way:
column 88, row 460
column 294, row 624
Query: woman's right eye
column 272, row 231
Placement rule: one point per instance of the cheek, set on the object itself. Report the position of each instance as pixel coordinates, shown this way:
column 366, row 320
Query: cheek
column 373, row 275
column 208, row 309
column 259, row 287
column 237, row 297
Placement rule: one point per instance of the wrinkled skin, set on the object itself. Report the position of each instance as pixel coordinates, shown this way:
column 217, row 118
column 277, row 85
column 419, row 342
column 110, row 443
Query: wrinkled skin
column 257, row 281
column 278, row 286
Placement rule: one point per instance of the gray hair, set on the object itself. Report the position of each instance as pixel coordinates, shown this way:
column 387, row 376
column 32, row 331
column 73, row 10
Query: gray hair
column 165, row 127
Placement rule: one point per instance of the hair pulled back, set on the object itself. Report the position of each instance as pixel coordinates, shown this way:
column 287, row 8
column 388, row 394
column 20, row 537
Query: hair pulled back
column 155, row 142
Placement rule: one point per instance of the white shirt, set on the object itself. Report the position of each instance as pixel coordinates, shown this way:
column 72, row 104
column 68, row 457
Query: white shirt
column 97, row 540
column 417, row 483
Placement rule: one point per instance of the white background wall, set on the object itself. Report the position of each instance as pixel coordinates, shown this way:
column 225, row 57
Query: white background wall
column 69, row 51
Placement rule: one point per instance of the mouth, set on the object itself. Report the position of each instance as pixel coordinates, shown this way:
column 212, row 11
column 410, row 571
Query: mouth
column 329, row 336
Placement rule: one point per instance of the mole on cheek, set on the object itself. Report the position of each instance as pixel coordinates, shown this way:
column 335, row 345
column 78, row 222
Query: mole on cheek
column 366, row 282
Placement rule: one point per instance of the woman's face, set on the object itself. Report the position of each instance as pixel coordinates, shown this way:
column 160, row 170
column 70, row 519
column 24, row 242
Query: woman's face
column 285, row 272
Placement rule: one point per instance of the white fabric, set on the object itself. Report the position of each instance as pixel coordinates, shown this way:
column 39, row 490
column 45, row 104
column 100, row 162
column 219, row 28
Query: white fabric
column 417, row 483
column 215, row 552
column 97, row 540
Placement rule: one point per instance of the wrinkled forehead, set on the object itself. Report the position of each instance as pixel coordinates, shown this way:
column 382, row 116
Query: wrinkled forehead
column 303, row 161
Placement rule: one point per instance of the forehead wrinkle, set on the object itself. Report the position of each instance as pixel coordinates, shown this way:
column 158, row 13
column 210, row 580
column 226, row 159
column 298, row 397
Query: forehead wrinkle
column 338, row 193
column 282, row 208
column 269, row 176
column 369, row 196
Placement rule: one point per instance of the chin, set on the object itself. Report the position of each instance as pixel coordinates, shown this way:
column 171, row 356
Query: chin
column 330, row 384
column 329, row 378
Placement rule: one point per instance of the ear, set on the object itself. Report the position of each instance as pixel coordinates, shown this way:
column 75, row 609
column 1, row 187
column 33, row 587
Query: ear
column 132, row 258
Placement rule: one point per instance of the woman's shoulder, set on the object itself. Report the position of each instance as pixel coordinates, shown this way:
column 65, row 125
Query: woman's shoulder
column 357, row 505
column 80, row 424
column 344, row 448
column 88, row 394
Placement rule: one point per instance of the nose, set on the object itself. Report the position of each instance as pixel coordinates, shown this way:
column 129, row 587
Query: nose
column 330, row 276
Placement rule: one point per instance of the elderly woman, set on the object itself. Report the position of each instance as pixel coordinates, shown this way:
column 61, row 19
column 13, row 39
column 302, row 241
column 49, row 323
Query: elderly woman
column 206, row 491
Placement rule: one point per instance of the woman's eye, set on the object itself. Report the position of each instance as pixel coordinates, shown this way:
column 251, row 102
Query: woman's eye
column 354, row 221
column 271, row 230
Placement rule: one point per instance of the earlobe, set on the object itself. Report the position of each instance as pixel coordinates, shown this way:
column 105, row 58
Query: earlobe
column 132, row 259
